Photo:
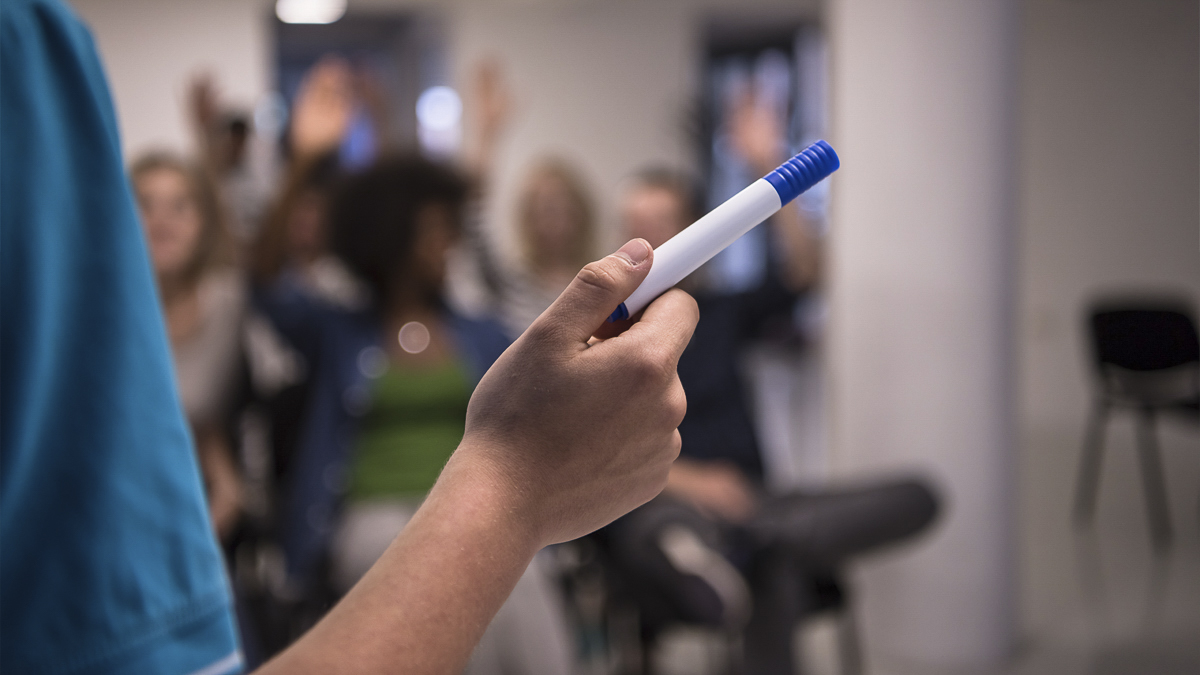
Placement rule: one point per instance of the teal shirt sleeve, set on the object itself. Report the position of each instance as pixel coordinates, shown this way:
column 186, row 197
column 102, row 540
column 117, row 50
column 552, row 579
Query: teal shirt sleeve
column 107, row 560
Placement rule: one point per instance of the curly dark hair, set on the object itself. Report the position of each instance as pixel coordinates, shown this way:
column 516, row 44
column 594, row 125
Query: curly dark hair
column 374, row 218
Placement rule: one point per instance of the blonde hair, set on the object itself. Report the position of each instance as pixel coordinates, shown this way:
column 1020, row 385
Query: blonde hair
column 582, row 237
column 214, row 246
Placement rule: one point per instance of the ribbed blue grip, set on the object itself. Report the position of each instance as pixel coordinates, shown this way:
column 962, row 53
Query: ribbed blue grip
column 803, row 171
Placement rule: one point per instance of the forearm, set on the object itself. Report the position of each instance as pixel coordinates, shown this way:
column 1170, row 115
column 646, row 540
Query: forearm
column 801, row 250
column 223, row 482
column 542, row 461
column 429, row 598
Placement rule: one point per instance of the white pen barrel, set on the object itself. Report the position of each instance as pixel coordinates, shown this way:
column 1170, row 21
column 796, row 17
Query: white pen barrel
column 685, row 252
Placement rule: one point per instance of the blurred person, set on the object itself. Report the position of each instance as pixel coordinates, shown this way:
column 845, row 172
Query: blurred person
column 294, row 277
column 298, row 287
column 292, row 253
column 390, row 397
column 555, row 219
column 658, row 205
column 556, row 229
column 716, row 548
column 204, row 303
column 231, row 368
column 109, row 563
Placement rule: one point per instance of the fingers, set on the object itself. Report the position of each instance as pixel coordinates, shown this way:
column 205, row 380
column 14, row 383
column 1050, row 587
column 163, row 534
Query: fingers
column 596, row 291
column 668, row 321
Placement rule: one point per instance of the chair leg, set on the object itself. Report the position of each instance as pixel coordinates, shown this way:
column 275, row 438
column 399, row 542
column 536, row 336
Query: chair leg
column 1154, row 483
column 850, row 656
column 1088, row 483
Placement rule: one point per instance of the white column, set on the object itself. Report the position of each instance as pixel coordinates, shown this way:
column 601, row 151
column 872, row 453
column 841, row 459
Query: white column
column 922, row 288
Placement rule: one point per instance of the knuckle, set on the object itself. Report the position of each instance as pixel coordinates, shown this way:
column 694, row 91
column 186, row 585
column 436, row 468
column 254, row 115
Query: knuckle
column 686, row 304
column 657, row 481
column 690, row 306
column 652, row 366
column 677, row 404
column 596, row 275
column 541, row 333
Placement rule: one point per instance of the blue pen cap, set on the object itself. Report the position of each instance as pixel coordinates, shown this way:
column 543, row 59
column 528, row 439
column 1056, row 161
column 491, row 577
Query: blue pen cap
column 803, row 171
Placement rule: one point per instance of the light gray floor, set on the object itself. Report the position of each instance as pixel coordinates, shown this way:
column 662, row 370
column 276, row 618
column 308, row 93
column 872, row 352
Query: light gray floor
column 1099, row 602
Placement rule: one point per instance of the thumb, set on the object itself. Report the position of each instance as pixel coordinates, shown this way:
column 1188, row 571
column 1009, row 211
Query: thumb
column 596, row 291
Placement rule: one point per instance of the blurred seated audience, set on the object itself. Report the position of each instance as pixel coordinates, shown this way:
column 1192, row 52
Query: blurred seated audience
column 716, row 548
column 389, row 401
column 204, row 304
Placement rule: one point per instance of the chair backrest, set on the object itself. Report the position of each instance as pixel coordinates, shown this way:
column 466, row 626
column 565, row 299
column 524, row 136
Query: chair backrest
column 1143, row 336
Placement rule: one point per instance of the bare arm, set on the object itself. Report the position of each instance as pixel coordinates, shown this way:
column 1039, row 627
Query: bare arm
column 323, row 108
column 758, row 136
column 489, row 108
column 564, row 434
column 223, row 483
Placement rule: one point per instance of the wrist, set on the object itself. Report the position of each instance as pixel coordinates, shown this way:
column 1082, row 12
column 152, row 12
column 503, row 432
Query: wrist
column 474, row 485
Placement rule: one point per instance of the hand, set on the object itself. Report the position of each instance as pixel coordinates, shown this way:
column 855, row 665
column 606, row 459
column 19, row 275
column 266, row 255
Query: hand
column 488, row 107
column 491, row 100
column 757, row 132
column 715, row 488
column 758, row 136
column 324, row 104
column 579, row 430
column 203, row 105
column 222, row 483
column 565, row 433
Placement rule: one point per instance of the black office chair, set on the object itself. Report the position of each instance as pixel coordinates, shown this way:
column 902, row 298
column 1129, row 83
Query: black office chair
column 1147, row 359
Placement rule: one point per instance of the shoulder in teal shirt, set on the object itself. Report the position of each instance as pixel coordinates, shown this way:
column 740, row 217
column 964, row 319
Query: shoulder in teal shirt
column 107, row 560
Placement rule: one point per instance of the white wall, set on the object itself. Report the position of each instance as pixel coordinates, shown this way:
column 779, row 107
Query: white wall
column 1110, row 179
column 603, row 85
column 922, row 280
column 151, row 48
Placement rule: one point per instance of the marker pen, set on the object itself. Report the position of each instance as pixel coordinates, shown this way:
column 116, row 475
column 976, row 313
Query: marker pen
column 703, row 239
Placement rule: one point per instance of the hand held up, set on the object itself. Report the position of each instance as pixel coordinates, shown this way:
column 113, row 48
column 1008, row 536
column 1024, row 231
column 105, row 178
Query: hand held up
column 575, row 430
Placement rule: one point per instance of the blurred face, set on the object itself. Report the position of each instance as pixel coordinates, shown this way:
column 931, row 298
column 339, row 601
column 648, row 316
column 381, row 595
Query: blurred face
column 171, row 219
column 652, row 213
column 554, row 219
column 436, row 234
